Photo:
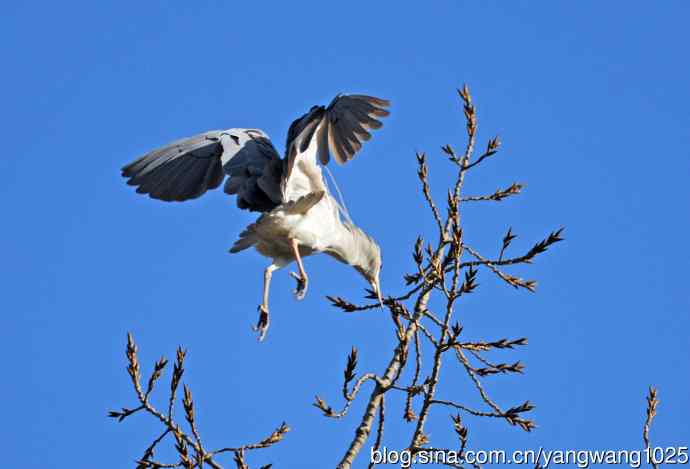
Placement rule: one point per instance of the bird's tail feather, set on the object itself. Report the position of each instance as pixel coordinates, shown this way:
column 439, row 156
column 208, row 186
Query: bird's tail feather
column 247, row 239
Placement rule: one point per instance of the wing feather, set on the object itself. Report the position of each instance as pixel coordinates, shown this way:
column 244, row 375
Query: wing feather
column 341, row 137
column 322, row 143
column 177, row 171
column 255, row 171
column 324, row 132
column 187, row 168
column 339, row 128
column 155, row 179
column 334, row 145
column 355, row 126
column 172, row 185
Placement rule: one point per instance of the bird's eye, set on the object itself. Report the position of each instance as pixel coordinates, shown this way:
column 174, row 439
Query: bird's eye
column 236, row 139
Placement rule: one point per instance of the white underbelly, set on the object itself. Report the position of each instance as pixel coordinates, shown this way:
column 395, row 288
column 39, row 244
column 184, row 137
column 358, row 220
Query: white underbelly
column 315, row 229
column 318, row 227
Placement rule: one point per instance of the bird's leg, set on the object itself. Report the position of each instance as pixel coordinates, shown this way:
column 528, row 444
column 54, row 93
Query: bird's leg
column 263, row 322
column 302, row 279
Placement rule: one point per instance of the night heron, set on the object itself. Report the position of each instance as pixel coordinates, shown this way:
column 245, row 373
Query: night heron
column 299, row 217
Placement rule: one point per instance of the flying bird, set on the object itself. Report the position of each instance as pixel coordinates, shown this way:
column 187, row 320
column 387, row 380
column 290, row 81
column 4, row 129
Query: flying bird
column 299, row 215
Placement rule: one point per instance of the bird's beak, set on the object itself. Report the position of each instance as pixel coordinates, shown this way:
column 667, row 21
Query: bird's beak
column 376, row 285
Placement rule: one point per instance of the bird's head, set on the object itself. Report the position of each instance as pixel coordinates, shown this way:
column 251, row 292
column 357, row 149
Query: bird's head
column 369, row 264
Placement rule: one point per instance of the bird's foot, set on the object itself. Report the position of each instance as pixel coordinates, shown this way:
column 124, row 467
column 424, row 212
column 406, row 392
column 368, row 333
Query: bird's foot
column 263, row 322
column 302, row 284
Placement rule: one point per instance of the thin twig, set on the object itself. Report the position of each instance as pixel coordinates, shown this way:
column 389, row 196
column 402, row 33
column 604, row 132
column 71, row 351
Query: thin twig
column 652, row 403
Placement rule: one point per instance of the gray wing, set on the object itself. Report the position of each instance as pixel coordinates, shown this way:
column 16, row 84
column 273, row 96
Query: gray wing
column 187, row 168
column 255, row 170
column 340, row 128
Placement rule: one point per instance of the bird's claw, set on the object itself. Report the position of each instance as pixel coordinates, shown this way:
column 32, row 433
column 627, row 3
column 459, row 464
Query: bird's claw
column 302, row 284
column 263, row 323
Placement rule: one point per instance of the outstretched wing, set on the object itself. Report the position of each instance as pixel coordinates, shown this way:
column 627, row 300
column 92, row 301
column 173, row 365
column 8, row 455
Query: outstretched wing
column 181, row 170
column 187, row 168
column 337, row 130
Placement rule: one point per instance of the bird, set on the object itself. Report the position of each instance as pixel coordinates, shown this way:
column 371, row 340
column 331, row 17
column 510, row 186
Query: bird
column 299, row 216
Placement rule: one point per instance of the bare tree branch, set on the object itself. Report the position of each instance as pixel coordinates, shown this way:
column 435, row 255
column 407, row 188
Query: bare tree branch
column 652, row 403
column 441, row 269
column 199, row 457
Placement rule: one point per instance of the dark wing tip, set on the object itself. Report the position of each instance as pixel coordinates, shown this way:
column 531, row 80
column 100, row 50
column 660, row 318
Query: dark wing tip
column 129, row 170
column 348, row 118
column 179, row 171
column 340, row 128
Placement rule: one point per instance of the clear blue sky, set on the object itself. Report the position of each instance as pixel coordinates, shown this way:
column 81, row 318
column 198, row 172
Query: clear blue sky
column 590, row 98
